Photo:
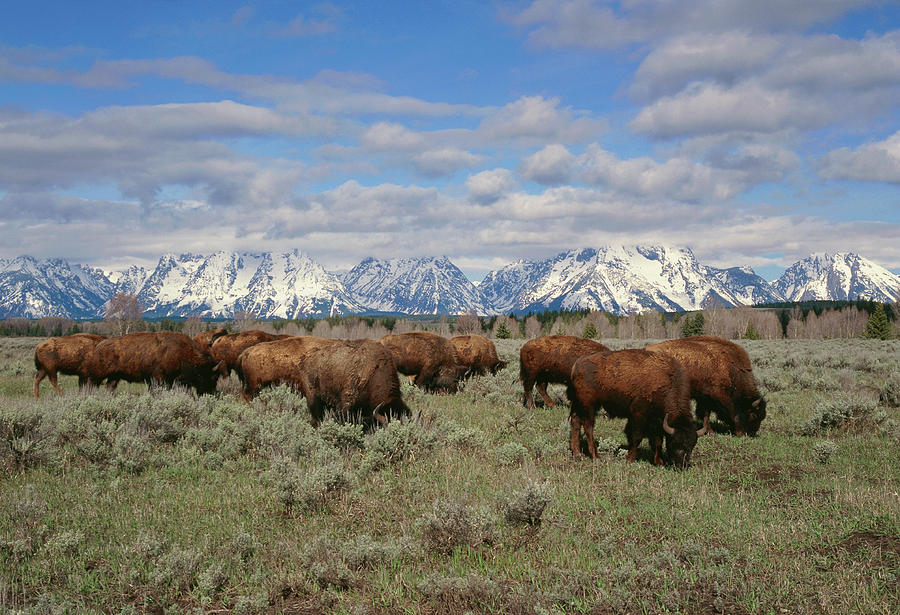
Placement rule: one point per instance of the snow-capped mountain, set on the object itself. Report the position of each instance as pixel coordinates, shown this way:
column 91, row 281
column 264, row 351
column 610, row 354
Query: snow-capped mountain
column 839, row 276
column 33, row 289
column 623, row 280
column 415, row 286
column 266, row 285
column 617, row 279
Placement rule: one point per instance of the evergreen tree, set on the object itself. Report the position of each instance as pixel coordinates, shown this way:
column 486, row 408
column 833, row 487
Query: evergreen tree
column 692, row 325
column 590, row 331
column 751, row 333
column 878, row 327
column 503, row 332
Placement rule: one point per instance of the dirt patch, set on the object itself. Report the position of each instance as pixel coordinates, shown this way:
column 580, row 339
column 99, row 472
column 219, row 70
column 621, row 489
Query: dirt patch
column 872, row 547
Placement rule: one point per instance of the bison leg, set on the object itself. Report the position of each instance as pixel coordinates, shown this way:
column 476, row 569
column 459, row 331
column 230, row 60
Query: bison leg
column 528, row 384
column 634, row 436
column 542, row 389
column 575, row 435
column 38, row 376
column 588, row 424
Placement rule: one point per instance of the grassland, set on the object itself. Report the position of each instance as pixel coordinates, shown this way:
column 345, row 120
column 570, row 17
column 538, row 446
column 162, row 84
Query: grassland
column 163, row 503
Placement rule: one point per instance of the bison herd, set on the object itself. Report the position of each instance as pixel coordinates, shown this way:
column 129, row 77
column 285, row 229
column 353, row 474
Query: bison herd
column 358, row 379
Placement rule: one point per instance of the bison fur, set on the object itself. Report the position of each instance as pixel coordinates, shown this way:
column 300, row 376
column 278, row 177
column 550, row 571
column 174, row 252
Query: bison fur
column 550, row 359
column 650, row 390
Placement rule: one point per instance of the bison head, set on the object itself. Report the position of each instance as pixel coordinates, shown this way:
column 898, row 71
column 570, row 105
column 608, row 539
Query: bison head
column 681, row 437
column 755, row 415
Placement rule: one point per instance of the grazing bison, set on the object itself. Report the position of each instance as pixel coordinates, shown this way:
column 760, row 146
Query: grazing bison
column 650, row 389
column 226, row 349
column 271, row 363
column 431, row 358
column 162, row 357
column 205, row 339
column 63, row 355
column 721, row 380
column 477, row 354
column 355, row 378
column 550, row 359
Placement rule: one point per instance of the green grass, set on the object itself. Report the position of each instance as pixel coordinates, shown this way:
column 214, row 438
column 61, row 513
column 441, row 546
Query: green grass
column 161, row 503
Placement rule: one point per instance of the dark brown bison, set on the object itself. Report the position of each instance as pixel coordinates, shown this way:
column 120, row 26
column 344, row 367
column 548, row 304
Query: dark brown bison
column 550, row 359
column 650, row 389
column 225, row 349
column 271, row 363
column 205, row 339
column 356, row 379
column 721, row 380
column 161, row 357
column 63, row 355
column 431, row 358
column 477, row 354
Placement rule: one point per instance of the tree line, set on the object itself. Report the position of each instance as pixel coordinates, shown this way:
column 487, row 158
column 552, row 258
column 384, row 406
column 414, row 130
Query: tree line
column 805, row 320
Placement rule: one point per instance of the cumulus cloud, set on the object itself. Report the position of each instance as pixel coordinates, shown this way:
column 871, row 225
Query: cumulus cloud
column 444, row 161
column 551, row 165
column 878, row 162
column 535, row 118
column 488, row 186
column 600, row 24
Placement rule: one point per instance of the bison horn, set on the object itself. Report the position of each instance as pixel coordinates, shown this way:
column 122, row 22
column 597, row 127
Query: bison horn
column 666, row 427
column 705, row 429
column 755, row 404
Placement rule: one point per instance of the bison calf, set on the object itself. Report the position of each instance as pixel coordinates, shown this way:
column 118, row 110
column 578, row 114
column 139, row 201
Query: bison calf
column 649, row 389
column 429, row 357
column 477, row 354
column 63, row 355
column 721, row 380
column 225, row 349
column 550, row 359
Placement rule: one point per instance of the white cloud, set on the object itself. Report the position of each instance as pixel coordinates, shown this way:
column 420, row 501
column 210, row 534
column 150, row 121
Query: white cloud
column 878, row 162
column 444, row 161
column 551, row 165
column 539, row 119
column 488, row 186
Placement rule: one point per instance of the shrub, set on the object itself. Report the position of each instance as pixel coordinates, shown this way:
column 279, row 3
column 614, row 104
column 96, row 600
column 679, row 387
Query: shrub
column 822, row 451
column 398, row 441
column 304, row 490
column 511, row 453
column 461, row 594
column 26, row 439
column 840, row 412
column 346, row 437
column 526, row 505
column 451, row 524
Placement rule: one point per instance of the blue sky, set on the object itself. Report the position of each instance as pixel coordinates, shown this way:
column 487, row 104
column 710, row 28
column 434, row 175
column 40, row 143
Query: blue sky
column 753, row 132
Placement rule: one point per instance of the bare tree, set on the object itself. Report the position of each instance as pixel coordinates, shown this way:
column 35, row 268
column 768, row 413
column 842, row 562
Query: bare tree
column 193, row 325
column 124, row 313
column 243, row 320
column 532, row 327
column 468, row 323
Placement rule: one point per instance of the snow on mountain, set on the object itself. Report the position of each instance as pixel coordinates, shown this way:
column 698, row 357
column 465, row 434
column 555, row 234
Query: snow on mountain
column 33, row 289
column 414, row 286
column 622, row 280
column 839, row 276
column 266, row 285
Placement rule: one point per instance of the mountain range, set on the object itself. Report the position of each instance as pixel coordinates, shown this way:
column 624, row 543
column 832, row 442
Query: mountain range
column 617, row 279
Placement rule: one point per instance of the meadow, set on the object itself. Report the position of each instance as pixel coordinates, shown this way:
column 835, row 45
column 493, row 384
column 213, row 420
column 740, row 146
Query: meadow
column 160, row 502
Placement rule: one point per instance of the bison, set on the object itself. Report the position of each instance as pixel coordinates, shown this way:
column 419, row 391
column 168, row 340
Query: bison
column 550, row 359
column 226, row 349
column 650, row 389
column 205, row 339
column 431, row 358
column 270, row 363
column 477, row 354
column 355, row 378
column 721, row 379
column 162, row 357
column 63, row 355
